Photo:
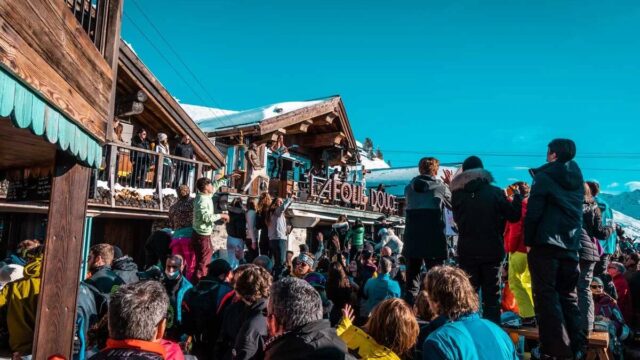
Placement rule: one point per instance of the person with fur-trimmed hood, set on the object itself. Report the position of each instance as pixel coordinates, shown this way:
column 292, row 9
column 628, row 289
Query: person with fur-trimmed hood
column 481, row 211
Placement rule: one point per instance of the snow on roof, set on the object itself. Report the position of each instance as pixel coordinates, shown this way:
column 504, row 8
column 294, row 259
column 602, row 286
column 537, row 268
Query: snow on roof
column 375, row 163
column 218, row 120
column 198, row 113
column 396, row 179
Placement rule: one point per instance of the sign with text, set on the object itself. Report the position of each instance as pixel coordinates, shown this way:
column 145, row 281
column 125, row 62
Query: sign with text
column 352, row 194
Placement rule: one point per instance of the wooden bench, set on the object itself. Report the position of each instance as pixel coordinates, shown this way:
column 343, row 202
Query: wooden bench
column 598, row 346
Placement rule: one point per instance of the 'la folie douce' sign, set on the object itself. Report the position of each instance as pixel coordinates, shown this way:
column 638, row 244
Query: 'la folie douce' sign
column 352, row 194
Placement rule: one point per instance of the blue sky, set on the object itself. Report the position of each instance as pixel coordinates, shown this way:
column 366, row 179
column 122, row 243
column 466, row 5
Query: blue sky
column 443, row 78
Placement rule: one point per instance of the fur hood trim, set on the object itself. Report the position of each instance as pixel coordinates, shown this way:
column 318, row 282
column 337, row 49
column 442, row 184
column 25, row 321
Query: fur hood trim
column 462, row 179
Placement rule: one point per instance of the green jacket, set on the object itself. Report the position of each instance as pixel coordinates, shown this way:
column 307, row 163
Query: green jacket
column 21, row 299
column 355, row 236
column 203, row 212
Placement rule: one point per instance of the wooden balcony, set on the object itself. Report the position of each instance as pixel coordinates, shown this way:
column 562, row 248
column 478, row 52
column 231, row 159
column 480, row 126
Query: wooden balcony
column 139, row 179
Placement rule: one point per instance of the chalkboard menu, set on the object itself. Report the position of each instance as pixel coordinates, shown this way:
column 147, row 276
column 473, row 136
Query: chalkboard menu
column 28, row 189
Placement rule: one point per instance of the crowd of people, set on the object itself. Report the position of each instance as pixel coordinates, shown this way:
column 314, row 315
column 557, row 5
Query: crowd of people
column 545, row 255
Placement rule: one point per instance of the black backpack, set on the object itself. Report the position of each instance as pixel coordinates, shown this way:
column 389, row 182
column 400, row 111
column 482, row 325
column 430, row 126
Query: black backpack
column 199, row 311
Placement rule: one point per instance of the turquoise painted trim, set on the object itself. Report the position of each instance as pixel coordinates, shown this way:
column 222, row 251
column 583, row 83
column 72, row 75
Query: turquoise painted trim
column 86, row 245
column 28, row 111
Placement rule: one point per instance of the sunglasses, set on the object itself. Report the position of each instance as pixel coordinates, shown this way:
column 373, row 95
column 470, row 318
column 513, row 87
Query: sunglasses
column 596, row 286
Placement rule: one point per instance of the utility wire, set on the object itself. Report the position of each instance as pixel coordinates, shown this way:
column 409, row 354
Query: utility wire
column 168, row 62
column 526, row 155
column 177, row 55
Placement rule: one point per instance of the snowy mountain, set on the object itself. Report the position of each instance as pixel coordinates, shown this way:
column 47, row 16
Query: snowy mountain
column 630, row 225
column 627, row 202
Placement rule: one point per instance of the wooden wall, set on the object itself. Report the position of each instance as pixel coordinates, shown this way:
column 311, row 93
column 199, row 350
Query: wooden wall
column 129, row 235
column 42, row 44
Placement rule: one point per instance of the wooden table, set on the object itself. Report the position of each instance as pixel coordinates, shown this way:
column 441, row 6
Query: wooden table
column 598, row 346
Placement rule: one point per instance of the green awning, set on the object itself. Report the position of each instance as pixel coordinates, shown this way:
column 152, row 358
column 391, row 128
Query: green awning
column 28, row 111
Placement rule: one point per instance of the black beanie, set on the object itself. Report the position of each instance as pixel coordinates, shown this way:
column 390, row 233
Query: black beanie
column 472, row 162
column 117, row 253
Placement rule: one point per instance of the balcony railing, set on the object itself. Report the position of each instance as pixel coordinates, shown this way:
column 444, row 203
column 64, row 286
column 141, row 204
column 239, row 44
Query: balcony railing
column 92, row 15
column 142, row 179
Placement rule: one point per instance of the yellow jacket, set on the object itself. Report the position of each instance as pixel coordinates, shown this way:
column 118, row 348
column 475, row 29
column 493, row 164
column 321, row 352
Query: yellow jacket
column 21, row 298
column 362, row 344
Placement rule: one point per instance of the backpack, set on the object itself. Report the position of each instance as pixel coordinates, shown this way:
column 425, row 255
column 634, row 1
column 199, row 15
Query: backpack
column 199, row 310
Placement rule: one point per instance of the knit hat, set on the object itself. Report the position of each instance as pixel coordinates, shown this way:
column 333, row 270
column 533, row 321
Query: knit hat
column 597, row 280
column 472, row 162
column 117, row 253
column 307, row 259
column 219, row 267
column 618, row 266
column 304, row 248
column 162, row 136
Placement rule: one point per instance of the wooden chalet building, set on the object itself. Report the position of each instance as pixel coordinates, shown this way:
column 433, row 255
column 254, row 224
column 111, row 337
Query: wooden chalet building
column 58, row 65
column 317, row 168
column 72, row 97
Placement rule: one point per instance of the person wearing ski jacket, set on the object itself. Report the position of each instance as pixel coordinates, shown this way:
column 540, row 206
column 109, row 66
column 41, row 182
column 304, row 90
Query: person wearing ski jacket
column 553, row 230
column 481, row 211
column 424, row 238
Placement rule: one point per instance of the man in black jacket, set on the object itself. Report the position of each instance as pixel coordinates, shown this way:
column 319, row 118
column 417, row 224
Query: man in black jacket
column 552, row 229
column 103, row 281
column 294, row 320
column 480, row 211
column 424, row 238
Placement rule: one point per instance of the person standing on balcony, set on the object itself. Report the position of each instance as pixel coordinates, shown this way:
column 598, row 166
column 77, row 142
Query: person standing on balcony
column 184, row 149
column 255, row 167
column 167, row 164
column 140, row 159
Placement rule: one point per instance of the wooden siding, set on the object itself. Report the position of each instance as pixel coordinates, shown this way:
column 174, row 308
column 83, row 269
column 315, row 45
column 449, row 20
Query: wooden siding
column 43, row 45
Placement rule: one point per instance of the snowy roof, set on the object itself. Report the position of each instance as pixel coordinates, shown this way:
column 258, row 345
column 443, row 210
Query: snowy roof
column 198, row 113
column 375, row 163
column 395, row 179
column 218, row 120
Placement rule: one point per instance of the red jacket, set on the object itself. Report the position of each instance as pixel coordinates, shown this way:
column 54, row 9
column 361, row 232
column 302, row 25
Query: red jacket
column 514, row 232
column 624, row 298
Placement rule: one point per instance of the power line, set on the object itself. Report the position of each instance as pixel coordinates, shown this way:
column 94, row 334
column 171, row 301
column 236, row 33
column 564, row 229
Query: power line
column 177, row 55
column 167, row 60
column 526, row 155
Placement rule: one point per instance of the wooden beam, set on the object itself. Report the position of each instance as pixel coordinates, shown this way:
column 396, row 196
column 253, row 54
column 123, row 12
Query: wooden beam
column 299, row 128
column 325, row 120
column 316, row 140
column 113, row 18
column 62, row 258
column 170, row 109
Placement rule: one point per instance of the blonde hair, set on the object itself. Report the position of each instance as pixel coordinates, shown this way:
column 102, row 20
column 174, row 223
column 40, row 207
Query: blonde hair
column 449, row 287
column 393, row 324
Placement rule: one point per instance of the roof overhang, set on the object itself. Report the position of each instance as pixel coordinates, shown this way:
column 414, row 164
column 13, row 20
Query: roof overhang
column 312, row 114
column 170, row 110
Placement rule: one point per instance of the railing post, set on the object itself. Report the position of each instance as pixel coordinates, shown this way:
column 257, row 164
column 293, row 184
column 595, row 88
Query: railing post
column 112, row 171
column 159, row 185
column 199, row 171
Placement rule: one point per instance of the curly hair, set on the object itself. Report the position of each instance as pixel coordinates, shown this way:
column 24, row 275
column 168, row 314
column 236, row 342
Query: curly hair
column 449, row 287
column 429, row 166
column 253, row 284
column 393, row 324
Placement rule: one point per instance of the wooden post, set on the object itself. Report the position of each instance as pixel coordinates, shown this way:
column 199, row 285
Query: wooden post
column 113, row 171
column 56, row 314
column 159, row 185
